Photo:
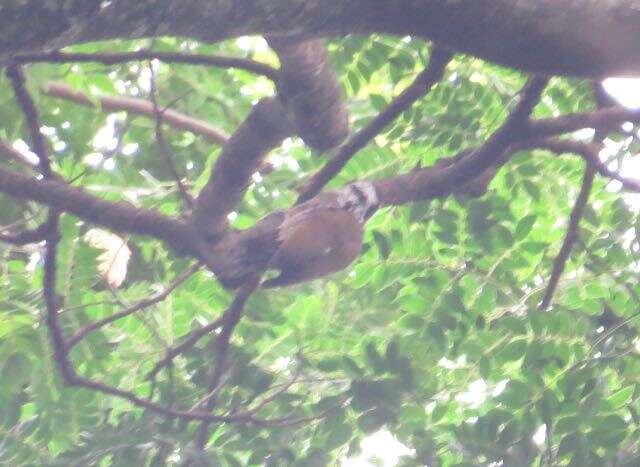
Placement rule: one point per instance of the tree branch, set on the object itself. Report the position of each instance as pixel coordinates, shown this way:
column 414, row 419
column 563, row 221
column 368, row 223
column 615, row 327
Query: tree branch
column 165, row 150
column 572, row 235
column 311, row 92
column 581, row 37
column 139, row 55
column 440, row 181
column 138, row 107
column 17, row 79
column 28, row 236
column 421, row 85
column 119, row 216
column 264, row 129
column 141, row 305
column 601, row 118
column 15, row 155
column 590, row 152
column 230, row 320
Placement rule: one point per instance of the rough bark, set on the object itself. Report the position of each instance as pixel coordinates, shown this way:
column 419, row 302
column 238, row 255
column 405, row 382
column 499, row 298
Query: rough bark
column 579, row 37
column 264, row 129
column 311, row 92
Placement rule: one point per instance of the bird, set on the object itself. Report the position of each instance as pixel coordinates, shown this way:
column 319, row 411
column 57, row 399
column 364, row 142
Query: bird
column 311, row 240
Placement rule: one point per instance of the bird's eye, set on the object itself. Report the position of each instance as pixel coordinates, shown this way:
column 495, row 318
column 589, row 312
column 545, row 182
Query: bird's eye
column 370, row 211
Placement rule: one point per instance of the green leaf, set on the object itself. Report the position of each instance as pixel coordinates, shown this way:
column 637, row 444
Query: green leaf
column 382, row 244
column 339, row 435
column 621, row 397
column 374, row 420
column 571, row 443
column 514, row 350
column 375, row 359
column 16, row 371
column 524, row 226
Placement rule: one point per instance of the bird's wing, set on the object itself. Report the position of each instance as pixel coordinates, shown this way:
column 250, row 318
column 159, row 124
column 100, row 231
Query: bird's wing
column 316, row 243
column 248, row 251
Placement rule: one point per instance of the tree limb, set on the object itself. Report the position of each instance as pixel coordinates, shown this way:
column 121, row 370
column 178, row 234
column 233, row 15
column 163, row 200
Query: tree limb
column 27, row 236
column 15, row 155
column 311, row 92
column 138, row 107
column 264, row 129
column 572, row 235
column 590, row 38
column 422, row 84
column 139, row 55
column 142, row 304
column 165, row 150
column 590, row 152
column 441, row 181
column 230, row 320
column 545, row 127
column 120, row 216
column 17, row 79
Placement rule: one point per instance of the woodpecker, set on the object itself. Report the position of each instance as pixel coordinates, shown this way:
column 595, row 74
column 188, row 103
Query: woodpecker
column 311, row 240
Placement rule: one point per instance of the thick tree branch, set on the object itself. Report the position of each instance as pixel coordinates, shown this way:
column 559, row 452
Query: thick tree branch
column 446, row 178
column 311, row 92
column 591, row 38
column 590, row 152
column 138, row 107
column 167, row 57
column 119, row 216
column 25, row 237
column 264, row 129
column 441, row 181
column 421, row 85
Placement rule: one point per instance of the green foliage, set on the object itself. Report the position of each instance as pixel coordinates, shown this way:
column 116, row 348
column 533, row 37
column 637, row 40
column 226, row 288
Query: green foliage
column 434, row 334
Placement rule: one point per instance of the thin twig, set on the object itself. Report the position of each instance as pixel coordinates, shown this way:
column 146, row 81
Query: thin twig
column 14, row 154
column 230, row 320
column 590, row 152
column 289, row 421
column 165, row 150
column 211, row 394
column 16, row 76
column 572, row 235
column 267, row 400
column 192, row 338
column 420, row 86
column 142, row 304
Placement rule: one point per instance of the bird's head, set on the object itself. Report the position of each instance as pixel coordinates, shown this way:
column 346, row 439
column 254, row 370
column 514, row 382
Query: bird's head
column 360, row 199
